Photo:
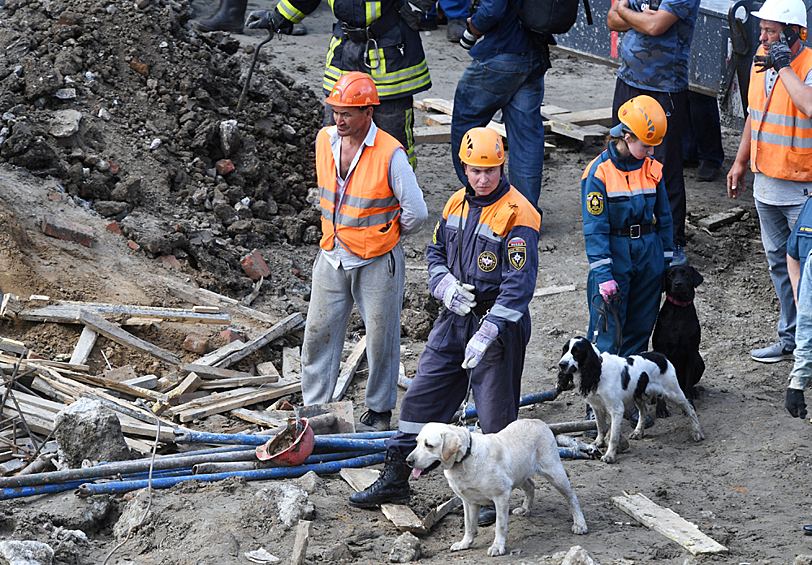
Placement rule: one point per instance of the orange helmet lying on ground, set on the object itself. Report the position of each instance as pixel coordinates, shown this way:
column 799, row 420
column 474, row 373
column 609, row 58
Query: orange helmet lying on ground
column 482, row 147
column 353, row 89
column 644, row 117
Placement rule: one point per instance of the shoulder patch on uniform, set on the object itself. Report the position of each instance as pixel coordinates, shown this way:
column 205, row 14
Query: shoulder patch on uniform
column 804, row 229
column 594, row 203
column 434, row 235
column 517, row 257
column 516, row 242
column 487, row 261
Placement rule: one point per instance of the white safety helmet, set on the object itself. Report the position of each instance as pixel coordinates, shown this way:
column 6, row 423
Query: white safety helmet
column 791, row 12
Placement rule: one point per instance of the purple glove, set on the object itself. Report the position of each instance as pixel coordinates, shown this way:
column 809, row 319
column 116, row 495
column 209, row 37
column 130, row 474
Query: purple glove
column 456, row 296
column 608, row 290
column 477, row 345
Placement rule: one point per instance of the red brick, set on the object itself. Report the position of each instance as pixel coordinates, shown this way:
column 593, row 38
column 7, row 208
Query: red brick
column 254, row 266
column 113, row 227
column 196, row 343
column 230, row 335
column 54, row 196
column 224, row 166
column 171, row 261
column 133, row 245
column 67, row 230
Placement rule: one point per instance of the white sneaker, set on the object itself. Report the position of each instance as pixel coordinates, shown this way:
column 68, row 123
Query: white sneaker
column 772, row 353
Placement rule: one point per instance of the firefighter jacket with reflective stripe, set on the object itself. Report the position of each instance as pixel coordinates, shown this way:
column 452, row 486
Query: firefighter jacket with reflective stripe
column 365, row 219
column 617, row 194
column 780, row 134
column 394, row 59
column 490, row 242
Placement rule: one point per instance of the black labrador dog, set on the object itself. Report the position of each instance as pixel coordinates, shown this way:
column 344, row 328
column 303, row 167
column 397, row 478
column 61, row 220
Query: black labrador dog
column 677, row 333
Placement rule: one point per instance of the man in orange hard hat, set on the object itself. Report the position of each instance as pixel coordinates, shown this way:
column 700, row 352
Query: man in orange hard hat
column 777, row 140
column 369, row 197
column 483, row 262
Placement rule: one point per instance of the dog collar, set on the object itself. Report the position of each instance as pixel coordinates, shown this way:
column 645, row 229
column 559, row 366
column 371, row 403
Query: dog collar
column 677, row 302
column 467, row 451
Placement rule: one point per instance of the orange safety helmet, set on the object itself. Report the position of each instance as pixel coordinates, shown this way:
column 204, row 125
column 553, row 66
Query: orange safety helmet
column 644, row 117
column 353, row 89
column 482, row 147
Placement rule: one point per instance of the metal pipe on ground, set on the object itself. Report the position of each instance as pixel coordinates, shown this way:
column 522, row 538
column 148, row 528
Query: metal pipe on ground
column 321, row 442
column 546, row 396
column 261, row 474
column 208, row 468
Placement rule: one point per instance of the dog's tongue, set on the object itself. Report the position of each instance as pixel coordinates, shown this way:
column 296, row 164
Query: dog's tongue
column 416, row 473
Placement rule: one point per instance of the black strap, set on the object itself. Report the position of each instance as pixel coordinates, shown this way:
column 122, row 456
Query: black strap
column 375, row 30
column 588, row 12
column 634, row 231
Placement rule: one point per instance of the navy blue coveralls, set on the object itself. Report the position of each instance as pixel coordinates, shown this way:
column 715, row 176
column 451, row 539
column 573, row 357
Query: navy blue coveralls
column 499, row 256
column 628, row 238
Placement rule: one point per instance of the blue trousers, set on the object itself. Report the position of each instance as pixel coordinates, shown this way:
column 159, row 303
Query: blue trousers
column 441, row 383
column 802, row 370
column 702, row 136
column 514, row 83
column 637, row 266
column 776, row 224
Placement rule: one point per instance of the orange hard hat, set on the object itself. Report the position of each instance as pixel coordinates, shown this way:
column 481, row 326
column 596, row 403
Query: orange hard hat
column 645, row 118
column 482, row 147
column 353, row 89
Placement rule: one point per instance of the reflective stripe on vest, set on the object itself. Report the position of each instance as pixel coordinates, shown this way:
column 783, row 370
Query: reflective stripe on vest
column 366, row 222
column 780, row 134
column 290, row 11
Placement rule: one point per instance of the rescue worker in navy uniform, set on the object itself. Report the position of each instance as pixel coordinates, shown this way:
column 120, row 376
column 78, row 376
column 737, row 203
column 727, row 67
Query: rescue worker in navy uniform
column 482, row 261
column 378, row 38
column 627, row 227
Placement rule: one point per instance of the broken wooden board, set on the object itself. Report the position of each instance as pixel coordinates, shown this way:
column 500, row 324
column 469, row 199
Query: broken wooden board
column 13, row 346
column 289, row 324
column 84, row 346
column 437, row 513
column 246, row 399
column 668, row 523
column 349, row 368
column 716, row 221
column 550, row 290
column 579, row 133
column 400, row 515
column 208, row 372
column 552, row 110
column 437, row 119
column 116, row 333
column 432, row 134
column 193, row 295
column 219, row 354
column 299, row 552
column 267, row 368
column 599, row 116
column 138, row 392
column 291, row 363
column 344, row 420
column 269, row 419
column 120, row 374
column 225, row 384
column 65, row 311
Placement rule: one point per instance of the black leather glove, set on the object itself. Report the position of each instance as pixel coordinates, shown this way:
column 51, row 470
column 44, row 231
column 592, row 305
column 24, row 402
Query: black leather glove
column 263, row 19
column 780, row 54
column 795, row 403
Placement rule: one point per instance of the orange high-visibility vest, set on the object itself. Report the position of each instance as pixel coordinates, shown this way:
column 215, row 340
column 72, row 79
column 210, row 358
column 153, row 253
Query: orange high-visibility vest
column 367, row 221
column 780, row 134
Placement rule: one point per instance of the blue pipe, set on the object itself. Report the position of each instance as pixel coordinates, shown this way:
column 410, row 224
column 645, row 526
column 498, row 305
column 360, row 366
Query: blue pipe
column 321, row 442
column 88, row 489
column 545, row 396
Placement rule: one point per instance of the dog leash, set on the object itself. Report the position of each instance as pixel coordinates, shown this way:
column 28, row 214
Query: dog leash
column 604, row 308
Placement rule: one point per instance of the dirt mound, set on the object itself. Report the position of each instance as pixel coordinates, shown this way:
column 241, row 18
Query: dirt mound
column 135, row 113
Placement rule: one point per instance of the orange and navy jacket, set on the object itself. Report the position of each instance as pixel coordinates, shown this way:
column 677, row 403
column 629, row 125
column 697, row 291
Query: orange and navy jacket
column 780, row 134
column 498, row 253
column 366, row 222
column 617, row 193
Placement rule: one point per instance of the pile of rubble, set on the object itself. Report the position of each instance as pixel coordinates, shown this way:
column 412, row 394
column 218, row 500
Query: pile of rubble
column 134, row 113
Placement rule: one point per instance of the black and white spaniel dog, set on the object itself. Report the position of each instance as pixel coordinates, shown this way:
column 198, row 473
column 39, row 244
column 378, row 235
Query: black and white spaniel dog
column 610, row 384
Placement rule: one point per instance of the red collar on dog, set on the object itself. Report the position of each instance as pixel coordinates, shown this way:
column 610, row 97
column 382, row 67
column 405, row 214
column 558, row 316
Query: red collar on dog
column 677, row 302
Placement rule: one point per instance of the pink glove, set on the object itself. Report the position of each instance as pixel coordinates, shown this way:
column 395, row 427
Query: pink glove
column 608, row 290
column 477, row 345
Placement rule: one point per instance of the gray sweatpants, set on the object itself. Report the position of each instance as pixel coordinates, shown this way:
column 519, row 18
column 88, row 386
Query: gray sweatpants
column 377, row 289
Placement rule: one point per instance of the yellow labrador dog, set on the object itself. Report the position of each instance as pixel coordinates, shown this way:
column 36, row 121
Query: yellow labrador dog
column 481, row 469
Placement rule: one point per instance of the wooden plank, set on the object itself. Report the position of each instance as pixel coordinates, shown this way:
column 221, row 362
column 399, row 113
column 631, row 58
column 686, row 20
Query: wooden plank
column 116, row 333
column 194, row 295
column 349, row 368
column 418, row 105
column 262, row 417
column 191, row 383
column 287, row 325
column 439, row 104
column 573, row 131
column 267, row 369
column 299, row 552
column 13, row 346
column 121, row 387
column 263, row 395
column 58, row 365
column 149, row 382
column 66, row 310
column 552, row 110
column 716, row 221
column 400, row 515
column 550, row 290
column 668, row 523
column 436, row 514
column 83, row 347
column 120, row 374
column 220, row 384
column 433, row 134
column 437, row 120
column 208, row 372
column 220, row 354
column 600, row 116
column 291, row 363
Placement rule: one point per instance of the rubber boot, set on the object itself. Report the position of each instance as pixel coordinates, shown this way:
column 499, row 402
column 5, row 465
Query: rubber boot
column 229, row 16
column 392, row 486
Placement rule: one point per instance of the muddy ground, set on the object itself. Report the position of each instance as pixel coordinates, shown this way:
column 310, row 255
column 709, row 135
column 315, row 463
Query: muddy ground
column 745, row 486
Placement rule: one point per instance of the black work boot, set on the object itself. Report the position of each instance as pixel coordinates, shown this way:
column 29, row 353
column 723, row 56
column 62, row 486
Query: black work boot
column 371, row 421
column 229, row 17
column 392, row 486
